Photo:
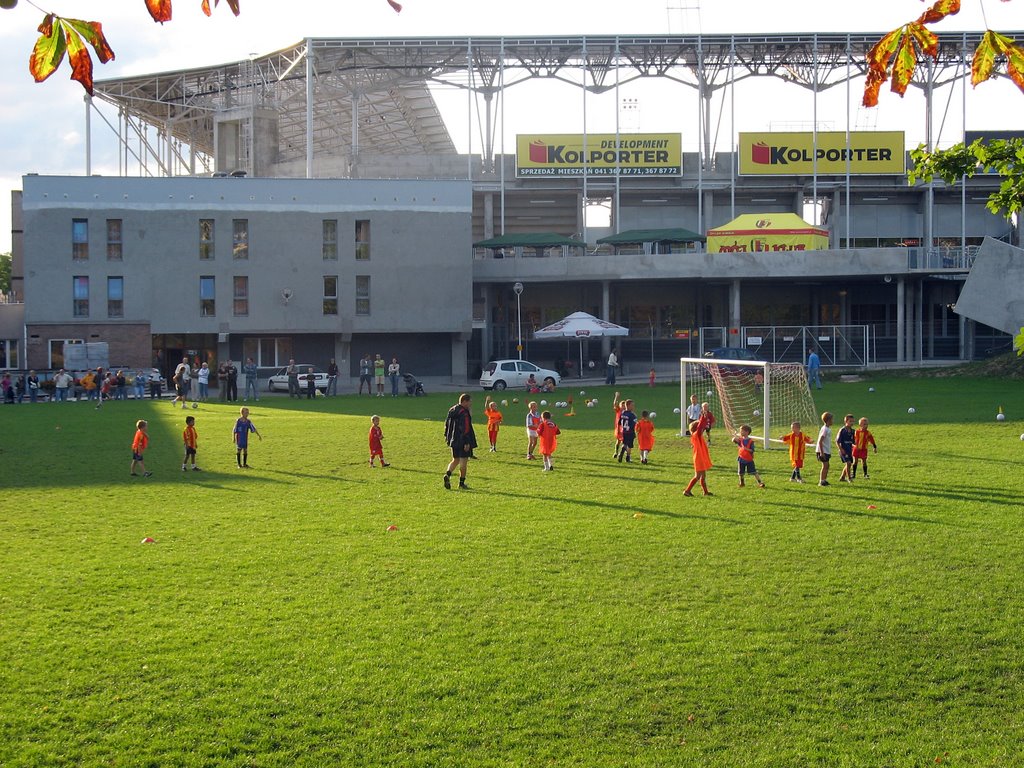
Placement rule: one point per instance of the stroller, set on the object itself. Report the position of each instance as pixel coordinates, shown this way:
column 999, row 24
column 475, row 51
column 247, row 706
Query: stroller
column 413, row 386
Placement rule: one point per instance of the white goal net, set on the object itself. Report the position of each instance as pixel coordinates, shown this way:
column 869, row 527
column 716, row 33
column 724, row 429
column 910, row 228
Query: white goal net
column 767, row 396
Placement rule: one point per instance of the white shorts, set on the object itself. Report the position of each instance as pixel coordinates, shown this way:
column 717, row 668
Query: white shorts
column 531, row 432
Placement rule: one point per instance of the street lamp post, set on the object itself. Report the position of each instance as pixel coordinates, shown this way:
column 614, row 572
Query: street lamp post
column 518, row 288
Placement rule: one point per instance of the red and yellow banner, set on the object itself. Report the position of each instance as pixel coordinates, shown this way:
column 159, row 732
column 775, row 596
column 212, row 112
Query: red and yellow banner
column 599, row 154
column 827, row 153
column 767, row 233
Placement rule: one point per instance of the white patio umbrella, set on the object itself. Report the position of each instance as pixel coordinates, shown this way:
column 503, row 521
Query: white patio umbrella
column 582, row 326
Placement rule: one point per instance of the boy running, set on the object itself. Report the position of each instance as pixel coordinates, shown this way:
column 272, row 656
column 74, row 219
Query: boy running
column 139, row 445
column 241, row 434
column 190, row 437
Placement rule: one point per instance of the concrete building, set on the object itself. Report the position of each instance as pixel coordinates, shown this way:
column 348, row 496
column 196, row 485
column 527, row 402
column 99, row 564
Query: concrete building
column 348, row 131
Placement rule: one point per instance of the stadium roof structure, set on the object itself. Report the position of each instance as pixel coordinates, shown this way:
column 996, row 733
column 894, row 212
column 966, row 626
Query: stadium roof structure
column 339, row 95
column 637, row 236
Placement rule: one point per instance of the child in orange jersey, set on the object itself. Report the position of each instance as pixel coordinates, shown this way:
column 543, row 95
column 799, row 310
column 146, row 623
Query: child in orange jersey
column 645, row 435
column 797, row 442
column 376, row 441
column 701, row 458
column 547, row 434
column 745, row 455
column 617, row 409
column 493, row 421
column 139, row 445
column 190, row 438
column 861, row 439
column 533, row 420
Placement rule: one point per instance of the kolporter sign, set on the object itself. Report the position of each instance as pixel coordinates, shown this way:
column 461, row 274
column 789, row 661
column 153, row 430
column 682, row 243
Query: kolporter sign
column 799, row 154
column 564, row 154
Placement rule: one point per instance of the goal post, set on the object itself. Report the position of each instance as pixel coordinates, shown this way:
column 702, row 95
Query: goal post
column 768, row 397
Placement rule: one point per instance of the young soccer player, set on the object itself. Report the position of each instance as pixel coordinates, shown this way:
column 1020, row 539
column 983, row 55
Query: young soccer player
column 547, row 434
column 823, row 446
column 844, row 441
column 376, row 441
column 707, row 419
column 311, row 384
column 139, row 445
column 797, row 442
column 190, row 438
column 617, row 410
column 745, row 455
column 701, row 459
column 692, row 412
column 493, row 422
column 645, row 436
column 627, row 428
column 533, row 420
column 861, row 439
column 241, row 434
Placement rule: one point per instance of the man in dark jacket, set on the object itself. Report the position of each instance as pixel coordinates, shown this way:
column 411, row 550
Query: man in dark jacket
column 458, row 433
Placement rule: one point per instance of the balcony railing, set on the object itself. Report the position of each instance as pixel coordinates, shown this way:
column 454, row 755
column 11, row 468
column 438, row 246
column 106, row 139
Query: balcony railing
column 931, row 259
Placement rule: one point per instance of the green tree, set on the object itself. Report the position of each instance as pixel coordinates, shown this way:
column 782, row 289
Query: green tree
column 5, row 272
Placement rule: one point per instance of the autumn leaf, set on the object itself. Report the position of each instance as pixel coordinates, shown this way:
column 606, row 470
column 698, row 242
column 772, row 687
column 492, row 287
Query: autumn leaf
column 160, row 10
column 396, row 6
column 233, row 4
column 992, row 45
column 59, row 36
column 940, row 10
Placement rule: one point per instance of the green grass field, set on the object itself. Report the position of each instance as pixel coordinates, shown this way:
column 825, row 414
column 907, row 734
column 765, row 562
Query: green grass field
column 534, row 620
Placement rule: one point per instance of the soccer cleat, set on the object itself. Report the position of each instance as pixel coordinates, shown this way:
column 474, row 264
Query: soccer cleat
column 761, row 485
column 147, row 474
column 463, row 486
column 448, row 482
column 183, row 467
column 867, row 476
column 823, row 482
column 687, row 493
column 196, row 469
column 384, row 464
column 708, row 493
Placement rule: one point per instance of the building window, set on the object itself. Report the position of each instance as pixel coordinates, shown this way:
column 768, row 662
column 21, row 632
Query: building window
column 207, row 296
column 331, row 239
column 115, row 297
column 57, row 351
column 240, row 238
column 114, row 248
column 330, row 294
column 362, row 294
column 363, row 240
column 268, row 352
column 80, row 239
column 9, row 353
column 206, row 239
column 81, row 293
column 241, row 296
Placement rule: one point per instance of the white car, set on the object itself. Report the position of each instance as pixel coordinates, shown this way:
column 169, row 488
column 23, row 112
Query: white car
column 278, row 381
column 501, row 374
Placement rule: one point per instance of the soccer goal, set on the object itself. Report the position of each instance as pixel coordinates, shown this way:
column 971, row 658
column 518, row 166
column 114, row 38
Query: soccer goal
column 767, row 396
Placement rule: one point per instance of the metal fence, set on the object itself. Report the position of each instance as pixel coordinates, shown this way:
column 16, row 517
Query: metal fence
column 836, row 345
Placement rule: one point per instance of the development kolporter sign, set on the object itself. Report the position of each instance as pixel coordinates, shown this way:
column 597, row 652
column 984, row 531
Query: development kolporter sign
column 799, row 154
column 601, row 154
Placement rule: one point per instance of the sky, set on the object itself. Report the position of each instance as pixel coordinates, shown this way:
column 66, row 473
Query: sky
column 42, row 126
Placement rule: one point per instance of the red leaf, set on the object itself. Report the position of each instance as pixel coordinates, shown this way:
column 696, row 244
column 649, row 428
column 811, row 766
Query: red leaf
column 49, row 50
column 233, row 4
column 940, row 10
column 396, row 6
column 160, row 10
column 92, row 33
column 78, row 55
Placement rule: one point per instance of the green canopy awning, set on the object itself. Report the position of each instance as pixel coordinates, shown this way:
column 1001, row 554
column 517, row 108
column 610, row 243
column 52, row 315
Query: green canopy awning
column 630, row 236
column 530, row 240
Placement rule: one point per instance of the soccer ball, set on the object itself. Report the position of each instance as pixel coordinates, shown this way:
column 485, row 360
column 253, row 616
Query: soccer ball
column 911, row 410
column 1000, row 417
column 515, row 399
column 594, row 401
column 676, row 411
column 654, row 415
column 543, row 402
column 871, row 389
column 709, row 393
column 504, row 402
column 757, row 413
column 1021, row 437
column 582, row 392
column 195, row 405
column 590, row 403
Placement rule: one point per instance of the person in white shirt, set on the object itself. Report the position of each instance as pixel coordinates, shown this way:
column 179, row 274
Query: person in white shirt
column 613, row 363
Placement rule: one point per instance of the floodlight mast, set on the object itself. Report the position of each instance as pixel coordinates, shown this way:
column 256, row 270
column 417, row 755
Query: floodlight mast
column 518, row 289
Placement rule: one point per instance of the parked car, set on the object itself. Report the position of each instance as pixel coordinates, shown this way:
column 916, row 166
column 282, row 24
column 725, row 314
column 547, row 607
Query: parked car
column 278, row 380
column 501, row 374
column 732, row 353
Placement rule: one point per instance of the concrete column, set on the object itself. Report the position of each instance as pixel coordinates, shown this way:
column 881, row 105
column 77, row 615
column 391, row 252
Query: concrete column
column 901, row 319
column 606, row 311
column 734, row 314
column 919, row 320
column 487, row 331
column 342, row 355
column 709, row 210
column 459, row 358
column 488, row 215
column 962, row 329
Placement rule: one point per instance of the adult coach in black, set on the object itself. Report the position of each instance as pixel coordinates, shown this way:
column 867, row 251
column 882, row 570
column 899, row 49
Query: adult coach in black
column 458, row 433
